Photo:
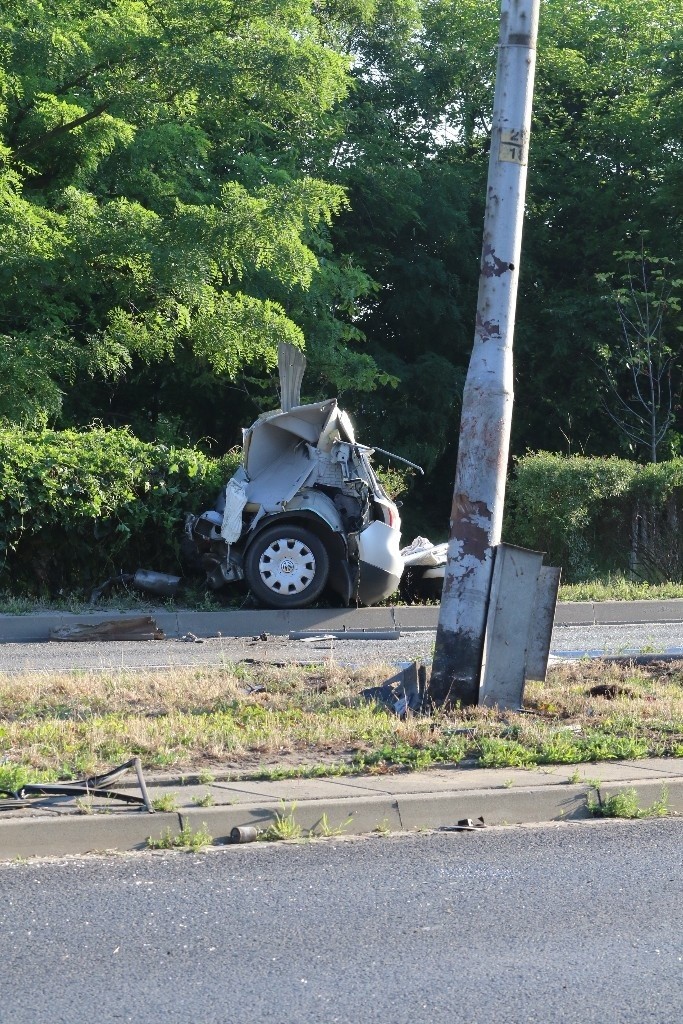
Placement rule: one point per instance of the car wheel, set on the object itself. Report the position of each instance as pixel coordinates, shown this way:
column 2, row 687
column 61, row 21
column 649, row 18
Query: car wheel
column 287, row 566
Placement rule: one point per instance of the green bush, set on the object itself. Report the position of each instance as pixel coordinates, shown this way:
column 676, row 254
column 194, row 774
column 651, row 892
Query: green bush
column 595, row 516
column 77, row 506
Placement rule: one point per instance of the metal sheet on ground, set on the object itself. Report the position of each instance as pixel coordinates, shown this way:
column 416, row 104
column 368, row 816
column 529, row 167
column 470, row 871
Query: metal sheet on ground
column 541, row 632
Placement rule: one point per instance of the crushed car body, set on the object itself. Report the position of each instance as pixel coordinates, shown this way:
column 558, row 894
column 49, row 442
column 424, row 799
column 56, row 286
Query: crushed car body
column 305, row 511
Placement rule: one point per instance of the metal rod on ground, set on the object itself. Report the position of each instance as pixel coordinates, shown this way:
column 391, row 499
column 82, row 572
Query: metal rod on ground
column 137, row 764
column 478, row 495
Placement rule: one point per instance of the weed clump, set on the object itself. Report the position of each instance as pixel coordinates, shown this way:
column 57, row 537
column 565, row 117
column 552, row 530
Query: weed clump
column 624, row 804
column 186, row 839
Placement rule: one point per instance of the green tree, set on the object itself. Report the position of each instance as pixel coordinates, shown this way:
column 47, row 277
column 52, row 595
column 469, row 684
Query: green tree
column 643, row 369
column 154, row 195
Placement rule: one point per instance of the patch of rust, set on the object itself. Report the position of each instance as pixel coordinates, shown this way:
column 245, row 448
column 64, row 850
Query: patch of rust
column 466, row 516
column 487, row 328
column 492, row 265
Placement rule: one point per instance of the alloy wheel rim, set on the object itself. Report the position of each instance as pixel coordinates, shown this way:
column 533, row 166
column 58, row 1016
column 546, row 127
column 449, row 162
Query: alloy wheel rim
column 287, row 566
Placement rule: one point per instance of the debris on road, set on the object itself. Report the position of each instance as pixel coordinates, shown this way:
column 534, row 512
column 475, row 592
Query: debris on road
column 141, row 627
column 464, row 825
column 189, row 638
column 317, row 637
column 243, row 834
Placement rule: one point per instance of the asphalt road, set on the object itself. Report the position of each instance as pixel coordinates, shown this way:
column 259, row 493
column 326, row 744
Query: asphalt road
column 572, row 923
column 570, row 641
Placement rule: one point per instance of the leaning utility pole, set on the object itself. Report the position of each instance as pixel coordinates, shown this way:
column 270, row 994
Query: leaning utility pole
column 477, row 511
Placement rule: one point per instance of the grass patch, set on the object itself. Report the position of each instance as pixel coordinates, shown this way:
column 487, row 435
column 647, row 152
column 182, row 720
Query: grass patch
column 618, row 588
column 310, row 721
column 285, row 826
column 624, row 804
column 165, row 802
column 186, row 839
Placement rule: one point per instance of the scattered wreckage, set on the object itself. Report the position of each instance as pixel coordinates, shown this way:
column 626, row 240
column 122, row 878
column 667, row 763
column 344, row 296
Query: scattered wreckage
column 305, row 511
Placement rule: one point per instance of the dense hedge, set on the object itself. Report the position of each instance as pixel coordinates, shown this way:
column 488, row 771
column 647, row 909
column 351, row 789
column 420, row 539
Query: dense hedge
column 77, row 506
column 594, row 516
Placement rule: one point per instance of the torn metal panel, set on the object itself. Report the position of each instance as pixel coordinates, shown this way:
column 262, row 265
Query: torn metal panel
column 542, row 619
column 404, row 693
column 346, row 634
column 291, row 364
column 513, row 596
column 271, row 435
column 141, row 627
column 281, row 479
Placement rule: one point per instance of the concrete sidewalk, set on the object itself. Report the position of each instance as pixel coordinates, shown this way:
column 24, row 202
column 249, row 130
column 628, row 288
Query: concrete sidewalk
column 354, row 805
column 36, row 627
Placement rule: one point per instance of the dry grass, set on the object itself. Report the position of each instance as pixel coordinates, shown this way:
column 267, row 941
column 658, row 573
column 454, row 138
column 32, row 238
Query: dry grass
column 312, row 720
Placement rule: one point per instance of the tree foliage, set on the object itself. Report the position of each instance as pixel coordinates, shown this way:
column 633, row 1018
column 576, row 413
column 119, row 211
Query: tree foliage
column 154, row 193
column 643, row 369
column 185, row 184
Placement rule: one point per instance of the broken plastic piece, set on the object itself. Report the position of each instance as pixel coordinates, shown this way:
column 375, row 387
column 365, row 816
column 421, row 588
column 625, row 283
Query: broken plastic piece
column 464, row 825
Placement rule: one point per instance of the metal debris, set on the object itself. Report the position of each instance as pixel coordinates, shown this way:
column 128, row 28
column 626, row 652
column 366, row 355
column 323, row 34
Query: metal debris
column 141, row 627
column 403, row 693
column 159, row 583
column 346, row 634
column 243, row 834
column 94, row 785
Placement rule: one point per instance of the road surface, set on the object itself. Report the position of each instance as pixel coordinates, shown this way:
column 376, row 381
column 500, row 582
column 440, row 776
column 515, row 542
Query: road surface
column 568, row 641
column 576, row 923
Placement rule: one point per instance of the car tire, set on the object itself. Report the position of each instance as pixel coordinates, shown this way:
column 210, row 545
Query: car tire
column 286, row 566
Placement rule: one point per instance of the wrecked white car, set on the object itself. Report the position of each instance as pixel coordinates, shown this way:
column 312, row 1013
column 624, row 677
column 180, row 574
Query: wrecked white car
column 305, row 512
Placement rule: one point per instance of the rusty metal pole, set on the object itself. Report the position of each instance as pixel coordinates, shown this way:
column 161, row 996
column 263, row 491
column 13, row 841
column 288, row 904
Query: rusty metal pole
column 477, row 511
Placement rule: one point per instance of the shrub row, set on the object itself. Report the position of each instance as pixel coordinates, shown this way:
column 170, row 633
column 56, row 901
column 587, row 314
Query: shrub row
column 595, row 516
column 78, row 506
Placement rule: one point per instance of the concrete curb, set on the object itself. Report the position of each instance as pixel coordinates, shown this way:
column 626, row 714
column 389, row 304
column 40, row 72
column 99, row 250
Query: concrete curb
column 36, row 627
column 42, row 836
